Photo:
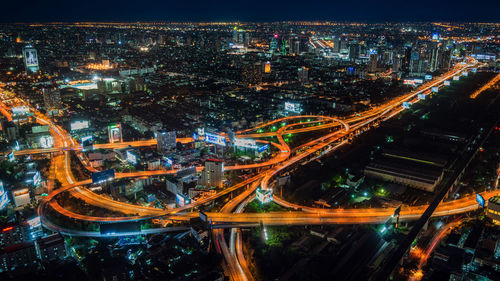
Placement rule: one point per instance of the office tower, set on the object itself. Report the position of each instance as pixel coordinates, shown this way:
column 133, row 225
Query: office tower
column 284, row 47
column 353, row 51
column 302, row 74
column 52, row 100
column 373, row 63
column 235, row 34
column 165, row 141
column 336, row 45
column 273, row 45
column 435, row 53
column 267, row 67
column 213, row 173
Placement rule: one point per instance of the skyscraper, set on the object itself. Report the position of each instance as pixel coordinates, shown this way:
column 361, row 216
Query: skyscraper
column 165, row 141
column 213, row 173
column 52, row 100
column 373, row 63
column 303, row 74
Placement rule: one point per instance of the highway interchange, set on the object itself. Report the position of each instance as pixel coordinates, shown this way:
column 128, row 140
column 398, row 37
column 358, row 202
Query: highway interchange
column 338, row 133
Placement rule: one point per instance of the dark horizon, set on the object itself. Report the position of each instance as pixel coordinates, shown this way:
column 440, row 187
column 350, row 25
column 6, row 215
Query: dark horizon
column 252, row 11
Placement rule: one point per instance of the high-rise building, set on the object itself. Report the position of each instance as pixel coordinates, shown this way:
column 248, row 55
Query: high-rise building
column 30, row 59
column 252, row 73
column 52, row 100
column 336, row 45
column 435, row 58
column 165, row 141
column 445, row 61
column 267, row 67
column 213, row 173
column 284, row 47
column 273, row 45
column 235, row 34
column 353, row 51
column 373, row 63
column 303, row 74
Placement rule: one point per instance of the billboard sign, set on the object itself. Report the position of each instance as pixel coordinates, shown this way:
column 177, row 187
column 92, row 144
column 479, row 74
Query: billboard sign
column 215, row 139
column 248, row 143
column 182, row 200
column 456, row 78
column 293, row 107
column 115, row 133
column 87, row 140
column 103, row 176
column 435, row 89
column 30, row 59
column 421, row 96
column 447, row 83
column 131, row 158
column 264, row 196
column 79, row 125
column 480, row 200
column 263, row 148
column 20, row 110
column 4, row 199
column 428, row 77
column 11, row 157
column 406, row 105
column 46, row 141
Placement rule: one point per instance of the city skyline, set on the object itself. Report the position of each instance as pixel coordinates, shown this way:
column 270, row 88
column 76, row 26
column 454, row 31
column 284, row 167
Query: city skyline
column 249, row 151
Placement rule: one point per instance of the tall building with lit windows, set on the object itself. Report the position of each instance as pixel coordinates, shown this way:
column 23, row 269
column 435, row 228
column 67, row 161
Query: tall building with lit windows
column 213, row 173
column 303, row 74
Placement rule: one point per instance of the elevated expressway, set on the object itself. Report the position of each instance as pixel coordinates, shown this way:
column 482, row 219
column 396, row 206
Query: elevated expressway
column 364, row 119
column 306, row 215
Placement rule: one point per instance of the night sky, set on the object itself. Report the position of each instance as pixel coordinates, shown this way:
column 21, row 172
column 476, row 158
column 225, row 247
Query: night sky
column 257, row 10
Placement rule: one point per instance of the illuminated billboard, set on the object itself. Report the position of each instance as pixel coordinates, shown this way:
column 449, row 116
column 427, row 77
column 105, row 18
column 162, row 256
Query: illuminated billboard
column 79, row 125
column 34, row 222
column 413, row 82
column 293, row 107
column 435, row 89
column 248, row 143
column 456, row 78
column 447, row 83
column 21, row 197
column 264, row 196
column 465, row 73
column 131, row 158
column 20, row 111
column 263, row 148
column 428, row 77
column 480, row 200
column 115, row 133
column 406, row 105
column 215, row 139
column 421, row 96
column 4, row 199
column 182, row 200
column 46, row 141
column 30, row 59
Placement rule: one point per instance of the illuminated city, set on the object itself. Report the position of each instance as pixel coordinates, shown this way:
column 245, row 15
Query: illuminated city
column 270, row 148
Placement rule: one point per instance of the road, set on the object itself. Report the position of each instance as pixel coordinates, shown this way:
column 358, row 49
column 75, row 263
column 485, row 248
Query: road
column 331, row 141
